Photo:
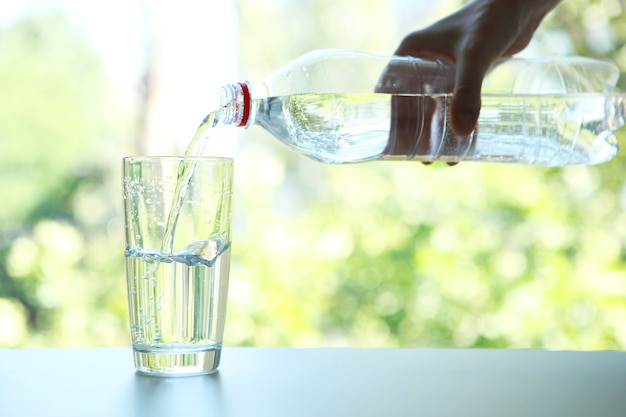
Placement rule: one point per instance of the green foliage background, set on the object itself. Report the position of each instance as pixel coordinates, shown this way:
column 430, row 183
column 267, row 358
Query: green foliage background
column 377, row 254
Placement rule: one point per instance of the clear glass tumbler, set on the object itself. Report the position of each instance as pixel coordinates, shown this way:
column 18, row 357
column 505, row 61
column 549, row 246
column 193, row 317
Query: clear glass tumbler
column 178, row 217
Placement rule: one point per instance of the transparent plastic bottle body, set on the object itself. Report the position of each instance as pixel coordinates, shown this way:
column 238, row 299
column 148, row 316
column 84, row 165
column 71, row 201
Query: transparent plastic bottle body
column 339, row 106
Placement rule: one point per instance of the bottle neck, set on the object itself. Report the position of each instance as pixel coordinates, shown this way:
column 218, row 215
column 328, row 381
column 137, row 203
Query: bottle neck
column 235, row 104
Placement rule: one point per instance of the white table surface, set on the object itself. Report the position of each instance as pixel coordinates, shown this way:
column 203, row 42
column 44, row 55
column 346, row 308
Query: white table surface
column 329, row 382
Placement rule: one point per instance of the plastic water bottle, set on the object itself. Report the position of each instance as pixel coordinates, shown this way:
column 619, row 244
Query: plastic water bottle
column 338, row 106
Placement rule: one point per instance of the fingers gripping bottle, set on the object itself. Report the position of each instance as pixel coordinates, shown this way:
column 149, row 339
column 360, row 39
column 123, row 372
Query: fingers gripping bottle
column 338, row 106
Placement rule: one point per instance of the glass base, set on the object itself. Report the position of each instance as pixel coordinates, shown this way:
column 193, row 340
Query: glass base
column 170, row 362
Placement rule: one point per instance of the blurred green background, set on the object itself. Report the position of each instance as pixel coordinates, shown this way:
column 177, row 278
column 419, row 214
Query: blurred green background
column 378, row 254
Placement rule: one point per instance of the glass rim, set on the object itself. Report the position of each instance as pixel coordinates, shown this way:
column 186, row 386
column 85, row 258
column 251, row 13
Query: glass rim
column 150, row 158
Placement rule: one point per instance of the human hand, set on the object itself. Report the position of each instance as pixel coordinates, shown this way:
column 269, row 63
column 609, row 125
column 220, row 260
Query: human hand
column 473, row 38
column 417, row 127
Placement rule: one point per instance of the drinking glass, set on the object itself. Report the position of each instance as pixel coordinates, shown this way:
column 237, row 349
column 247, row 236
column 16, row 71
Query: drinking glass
column 178, row 217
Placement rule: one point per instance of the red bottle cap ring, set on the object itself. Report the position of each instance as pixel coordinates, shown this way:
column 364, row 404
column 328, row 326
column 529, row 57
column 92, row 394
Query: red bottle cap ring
column 246, row 104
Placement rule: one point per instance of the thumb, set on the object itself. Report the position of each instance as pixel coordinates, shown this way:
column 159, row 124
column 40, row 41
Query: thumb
column 465, row 106
column 464, row 110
